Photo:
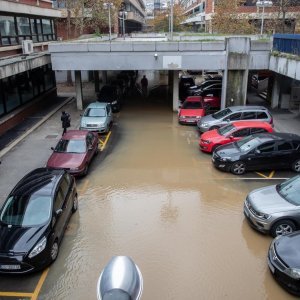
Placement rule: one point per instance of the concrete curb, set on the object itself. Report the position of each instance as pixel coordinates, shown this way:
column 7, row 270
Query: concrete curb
column 38, row 124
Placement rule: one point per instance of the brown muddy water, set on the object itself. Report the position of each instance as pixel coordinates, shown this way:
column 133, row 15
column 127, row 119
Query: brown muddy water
column 153, row 196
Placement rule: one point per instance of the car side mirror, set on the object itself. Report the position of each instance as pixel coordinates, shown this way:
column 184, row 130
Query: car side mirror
column 179, row 106
column 52, row 148
column 257, row 151
column 58, row 212
column 231, row 137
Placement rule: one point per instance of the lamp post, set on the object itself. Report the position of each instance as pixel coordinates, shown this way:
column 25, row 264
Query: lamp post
column 263, row 4
column 108, row 5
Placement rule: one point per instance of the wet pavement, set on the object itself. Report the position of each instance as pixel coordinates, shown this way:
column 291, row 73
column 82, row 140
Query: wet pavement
column 152, row 195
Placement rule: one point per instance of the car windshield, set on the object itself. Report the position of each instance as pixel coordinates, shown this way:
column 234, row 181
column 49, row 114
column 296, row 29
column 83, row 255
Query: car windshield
column 247, row 143
column 71, row 146
column 226, row 129
column 222, row 113
column 289, row 190
column 95, row 112
column 191, row 105
column 26, row 210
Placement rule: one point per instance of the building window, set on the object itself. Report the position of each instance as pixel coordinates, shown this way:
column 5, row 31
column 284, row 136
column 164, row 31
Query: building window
column 11, row 93
column 25, row 86
column 7, row 30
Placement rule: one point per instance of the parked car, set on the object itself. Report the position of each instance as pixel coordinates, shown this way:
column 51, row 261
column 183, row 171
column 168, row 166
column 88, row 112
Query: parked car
column 260, row 151
column 111, row 94
column 33, row 220
column 197, row 89
column 74, row 152
column 275, row 209
column 233, row 114
column 211, row 74
column 184, row 83
column 211, row 139
column 191, row 111
column 97, row 117
column 284, row 261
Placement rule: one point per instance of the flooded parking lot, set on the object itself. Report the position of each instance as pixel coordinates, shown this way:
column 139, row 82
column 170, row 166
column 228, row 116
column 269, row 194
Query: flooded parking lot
column 152, row 195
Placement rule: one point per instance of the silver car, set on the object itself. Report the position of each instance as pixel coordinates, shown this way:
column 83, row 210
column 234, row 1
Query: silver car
column 233, row 114
column 275, row 209
column 97, row 117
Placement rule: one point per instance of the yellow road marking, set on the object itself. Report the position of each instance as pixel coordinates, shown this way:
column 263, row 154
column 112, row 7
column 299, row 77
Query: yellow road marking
column 84, row 186
column 12, row 294
column 39, row 285
column 262, row 175
column 105, row 141
column 101, row 142
column 271, row 174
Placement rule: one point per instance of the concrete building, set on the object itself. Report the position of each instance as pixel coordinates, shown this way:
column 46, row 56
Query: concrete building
column 199, row 14
column 26, row 76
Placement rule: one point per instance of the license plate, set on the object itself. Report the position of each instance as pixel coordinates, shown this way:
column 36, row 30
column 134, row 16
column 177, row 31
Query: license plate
column 10, row 267
column 271, row 266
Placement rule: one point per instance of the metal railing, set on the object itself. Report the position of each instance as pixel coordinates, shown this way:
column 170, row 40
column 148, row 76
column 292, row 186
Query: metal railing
column 287, row 43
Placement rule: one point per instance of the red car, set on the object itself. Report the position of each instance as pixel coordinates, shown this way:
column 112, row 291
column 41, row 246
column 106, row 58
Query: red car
column 211, row 139
column 191, row 110
column 74, row 152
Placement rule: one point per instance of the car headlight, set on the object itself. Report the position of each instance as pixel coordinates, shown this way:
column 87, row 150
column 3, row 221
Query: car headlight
column 225, row 158
column 182, row 117
column 262, row 215
column 205, row 142
column 198, row 117
column 40, row 246
column 204, row 124
column 294, row 273
column 114, row 102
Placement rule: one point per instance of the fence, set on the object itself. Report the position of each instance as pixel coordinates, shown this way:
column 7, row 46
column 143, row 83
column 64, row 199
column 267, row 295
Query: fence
column 287, row 43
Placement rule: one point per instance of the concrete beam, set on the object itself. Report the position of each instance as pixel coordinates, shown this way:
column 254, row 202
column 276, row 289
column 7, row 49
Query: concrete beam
column 286, row 66
column 175, row 90
column 78, row 90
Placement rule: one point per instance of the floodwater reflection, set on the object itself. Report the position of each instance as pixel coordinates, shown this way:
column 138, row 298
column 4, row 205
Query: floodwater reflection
column 154, row 197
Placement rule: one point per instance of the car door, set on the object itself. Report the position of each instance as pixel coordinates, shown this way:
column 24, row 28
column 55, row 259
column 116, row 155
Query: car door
column 58, row 220
column 231, row 118
column 285, row 154
column 262, row 157
column 66, row 189
column 238, row 134
column 248, row 115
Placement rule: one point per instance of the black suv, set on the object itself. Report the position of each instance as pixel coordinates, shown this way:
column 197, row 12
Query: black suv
column 111, row 94
column 205, row 86
column 258, row 152
column 33, row 220
column 184, row 83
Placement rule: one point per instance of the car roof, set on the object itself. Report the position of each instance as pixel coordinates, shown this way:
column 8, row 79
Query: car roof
column 97, row 105
column 248, row 107
column 43, row 180
column 75, row 134
column 246, row 124
column 277, row 136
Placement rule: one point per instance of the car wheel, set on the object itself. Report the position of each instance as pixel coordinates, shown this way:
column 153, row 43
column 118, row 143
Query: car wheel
column 54, row 251
column 296, row 166
column 282, row 227
column 214, row 127
column 75, row 204
column 238, row 168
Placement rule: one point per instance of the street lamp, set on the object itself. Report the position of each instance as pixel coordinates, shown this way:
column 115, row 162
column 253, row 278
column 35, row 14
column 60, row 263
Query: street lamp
column 122, row 17
column 108, row 5
column 263, row 4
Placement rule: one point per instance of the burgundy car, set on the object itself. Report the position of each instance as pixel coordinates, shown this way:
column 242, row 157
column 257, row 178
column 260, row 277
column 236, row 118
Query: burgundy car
column 74, row 152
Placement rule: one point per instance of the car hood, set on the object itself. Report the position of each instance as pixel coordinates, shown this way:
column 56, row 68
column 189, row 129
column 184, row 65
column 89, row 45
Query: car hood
column 212, row 135
column 288, row 249
column 20, row 239
column 267, row 200
column 93, row 120
column 192, row 112
column 228, row 150
column 65, row 160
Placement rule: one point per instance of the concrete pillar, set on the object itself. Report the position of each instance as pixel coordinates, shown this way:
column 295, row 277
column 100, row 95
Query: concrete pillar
column 96, row 78
column 104, row 77
column 78, row 89
column 236, row 73
column 175, row 90
column 276, row 91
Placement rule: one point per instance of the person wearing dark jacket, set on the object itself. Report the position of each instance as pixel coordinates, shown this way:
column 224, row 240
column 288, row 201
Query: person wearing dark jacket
column 144, row 84
column 65, row 121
